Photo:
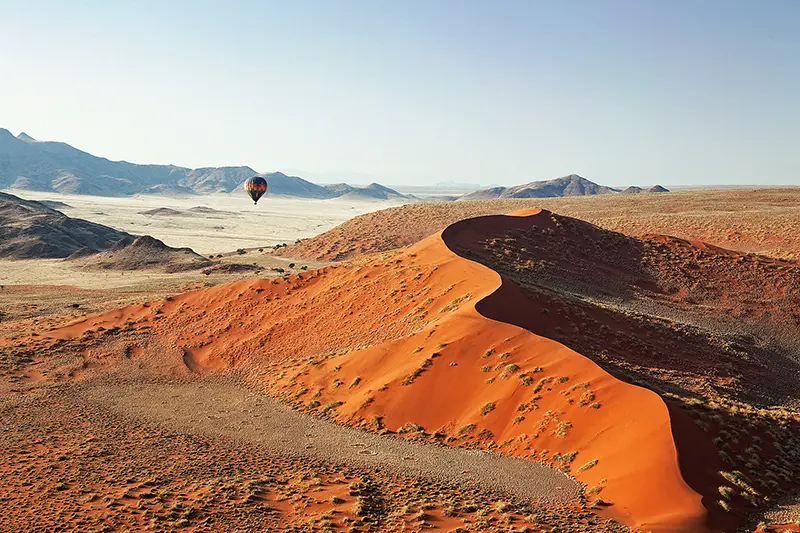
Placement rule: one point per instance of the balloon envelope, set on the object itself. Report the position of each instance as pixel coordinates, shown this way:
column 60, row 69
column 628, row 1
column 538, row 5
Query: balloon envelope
column 256, row 187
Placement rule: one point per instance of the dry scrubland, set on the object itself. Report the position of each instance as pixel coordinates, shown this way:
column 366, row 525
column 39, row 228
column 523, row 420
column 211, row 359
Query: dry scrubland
column 659, row 373
column 764, row 221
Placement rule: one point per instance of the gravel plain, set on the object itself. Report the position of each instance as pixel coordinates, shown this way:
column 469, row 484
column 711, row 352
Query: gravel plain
column 229, row 411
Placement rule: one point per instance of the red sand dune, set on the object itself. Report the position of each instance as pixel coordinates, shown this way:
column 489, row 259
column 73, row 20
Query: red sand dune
column 764, row 221
column 396, row 338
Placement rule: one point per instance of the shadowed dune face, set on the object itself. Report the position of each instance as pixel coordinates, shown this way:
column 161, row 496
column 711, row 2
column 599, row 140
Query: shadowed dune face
column 712, row 330
column 426, row 344
column 683, row 307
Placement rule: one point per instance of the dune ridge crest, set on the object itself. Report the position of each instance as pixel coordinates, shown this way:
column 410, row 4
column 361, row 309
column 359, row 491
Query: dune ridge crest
column 410, row 341
column 436, row 379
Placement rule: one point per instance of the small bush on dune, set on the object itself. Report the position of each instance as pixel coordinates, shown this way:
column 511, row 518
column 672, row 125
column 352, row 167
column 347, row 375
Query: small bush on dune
column 410, row 428
column 561, row 430
column 540, row 385
column 586, row 398
column 467, row 429
column 330, row 406
column 409, row 379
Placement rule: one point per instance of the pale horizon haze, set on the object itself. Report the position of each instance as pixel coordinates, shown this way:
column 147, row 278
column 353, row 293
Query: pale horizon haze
column 679, row 93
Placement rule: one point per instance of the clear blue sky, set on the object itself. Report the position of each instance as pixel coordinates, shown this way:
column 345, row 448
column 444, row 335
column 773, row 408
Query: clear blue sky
column 413, row 92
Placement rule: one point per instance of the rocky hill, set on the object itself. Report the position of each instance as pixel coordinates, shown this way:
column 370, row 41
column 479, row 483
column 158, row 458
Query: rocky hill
column 144, row 253
column 32, row 230
column 572, row 185
column 636, row 190
column 373, row 190
column 282, row 185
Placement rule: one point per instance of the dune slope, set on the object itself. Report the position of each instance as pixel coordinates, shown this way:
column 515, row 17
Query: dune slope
column 711, row 330
column 395, row 343
column 764, row 221
column 482, row 382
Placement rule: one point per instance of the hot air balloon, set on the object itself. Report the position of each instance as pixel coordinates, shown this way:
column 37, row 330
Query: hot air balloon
column 255, row 187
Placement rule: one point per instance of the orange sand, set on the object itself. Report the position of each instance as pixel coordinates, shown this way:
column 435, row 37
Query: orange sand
column 425, row 296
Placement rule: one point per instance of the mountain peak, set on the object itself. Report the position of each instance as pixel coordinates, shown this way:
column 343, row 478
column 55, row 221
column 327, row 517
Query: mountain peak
column 54, row 166
column 570, row 185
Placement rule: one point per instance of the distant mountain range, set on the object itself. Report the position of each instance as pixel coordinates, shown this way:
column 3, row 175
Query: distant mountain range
column 283, row 185
column 572, row 185
column 54, row 166
column 26, row 163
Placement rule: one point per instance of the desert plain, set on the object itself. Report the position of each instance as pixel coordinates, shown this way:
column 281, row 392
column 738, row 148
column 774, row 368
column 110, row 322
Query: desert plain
column 603, row 363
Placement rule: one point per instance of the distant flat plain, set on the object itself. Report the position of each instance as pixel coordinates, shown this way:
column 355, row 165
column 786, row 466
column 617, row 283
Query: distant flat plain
column 234, row 223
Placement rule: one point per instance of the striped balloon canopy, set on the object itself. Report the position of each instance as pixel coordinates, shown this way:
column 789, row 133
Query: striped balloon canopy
column 256, row 187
